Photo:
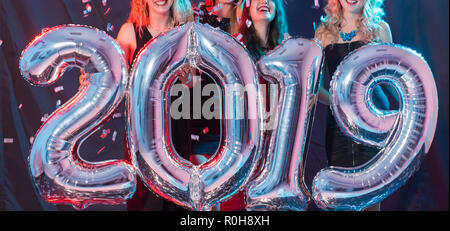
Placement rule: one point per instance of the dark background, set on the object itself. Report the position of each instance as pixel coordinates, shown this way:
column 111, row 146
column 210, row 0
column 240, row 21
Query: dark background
column 418, row 24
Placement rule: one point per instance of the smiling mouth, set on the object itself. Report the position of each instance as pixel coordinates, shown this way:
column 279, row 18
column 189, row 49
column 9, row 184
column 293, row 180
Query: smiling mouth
column 351, row 2
column 160, row 3
column 264, row 8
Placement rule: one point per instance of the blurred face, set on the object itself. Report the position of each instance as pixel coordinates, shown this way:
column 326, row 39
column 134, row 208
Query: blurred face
column 262, row 10
column 160, row 6
column 352, row 6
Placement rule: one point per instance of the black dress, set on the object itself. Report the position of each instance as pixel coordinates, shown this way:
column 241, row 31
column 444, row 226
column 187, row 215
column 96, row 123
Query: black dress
column 342, row 150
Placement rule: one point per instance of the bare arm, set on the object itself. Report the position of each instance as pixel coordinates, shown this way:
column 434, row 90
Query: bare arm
column 127, row 41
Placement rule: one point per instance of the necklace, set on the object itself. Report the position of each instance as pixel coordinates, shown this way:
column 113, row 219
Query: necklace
column 348, row 36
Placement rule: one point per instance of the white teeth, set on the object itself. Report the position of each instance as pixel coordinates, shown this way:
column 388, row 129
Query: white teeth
column 160, row 3
column 351, row 1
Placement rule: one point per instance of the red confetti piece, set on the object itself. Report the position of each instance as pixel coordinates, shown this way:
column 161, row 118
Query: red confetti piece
column 20, row 106
column 107, row 11
column 114, row 136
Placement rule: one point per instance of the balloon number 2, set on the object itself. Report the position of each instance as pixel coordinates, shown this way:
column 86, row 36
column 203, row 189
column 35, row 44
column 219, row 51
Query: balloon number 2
column 61, row 176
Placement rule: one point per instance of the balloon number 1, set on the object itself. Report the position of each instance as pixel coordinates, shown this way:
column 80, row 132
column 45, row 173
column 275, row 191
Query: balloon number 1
column 61, row 176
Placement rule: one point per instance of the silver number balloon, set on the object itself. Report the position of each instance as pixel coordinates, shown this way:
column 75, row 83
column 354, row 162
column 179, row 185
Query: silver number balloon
column 200, row 47
column 404, row 135
column 295, row 66
column 60, row 175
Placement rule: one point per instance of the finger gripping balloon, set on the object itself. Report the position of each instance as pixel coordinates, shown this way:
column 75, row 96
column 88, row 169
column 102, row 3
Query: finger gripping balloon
column 60, row 175
column 404, row 135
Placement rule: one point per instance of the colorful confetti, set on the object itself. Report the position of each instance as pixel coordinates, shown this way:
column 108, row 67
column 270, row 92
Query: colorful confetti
column 44, row 118
column 58, row 103
column 109, row 27
column 101, row 149
column 8, row 140
column 316, row 4
column 195, row 137
column 114, row 136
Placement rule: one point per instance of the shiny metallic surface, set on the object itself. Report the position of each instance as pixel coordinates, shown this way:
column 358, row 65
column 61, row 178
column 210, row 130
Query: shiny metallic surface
column 295, row 66
column 404, row 135
column 166, row 57
column 60, row 175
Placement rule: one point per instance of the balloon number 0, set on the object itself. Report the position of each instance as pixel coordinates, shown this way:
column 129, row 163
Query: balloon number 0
column 61, row 176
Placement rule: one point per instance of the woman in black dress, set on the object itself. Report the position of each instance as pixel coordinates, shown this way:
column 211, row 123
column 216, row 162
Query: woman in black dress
column 349, row 25
column 149, row 18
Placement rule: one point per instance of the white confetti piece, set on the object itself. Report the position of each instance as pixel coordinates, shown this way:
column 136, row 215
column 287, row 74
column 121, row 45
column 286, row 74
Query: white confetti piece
column 58, row 89
column 104, row 2
column 58, row 103
column 117, row 115
column 85, row 1
column 1, row 42
column 8, row 140
column 31, row 139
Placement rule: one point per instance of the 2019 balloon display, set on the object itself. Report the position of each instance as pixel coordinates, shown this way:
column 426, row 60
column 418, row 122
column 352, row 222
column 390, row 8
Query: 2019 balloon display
column 61, row 176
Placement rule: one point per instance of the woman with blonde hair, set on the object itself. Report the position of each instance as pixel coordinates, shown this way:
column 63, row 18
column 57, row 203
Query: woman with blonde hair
column 349, row 25
column 148, row 19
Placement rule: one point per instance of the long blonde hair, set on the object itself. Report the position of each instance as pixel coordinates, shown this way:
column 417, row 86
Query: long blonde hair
column 180, row 12
column 368, row 23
